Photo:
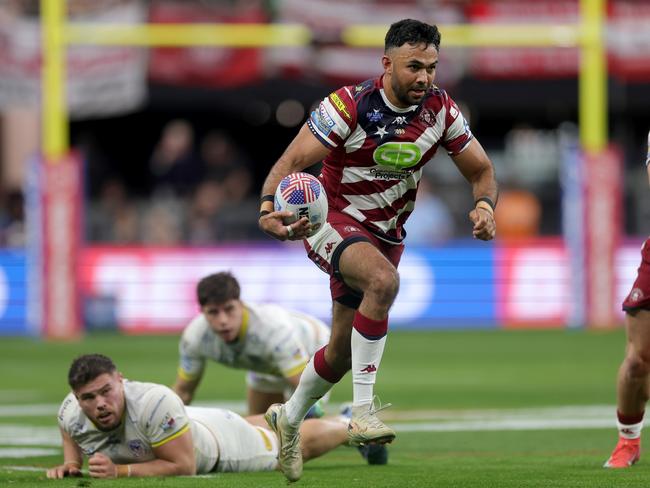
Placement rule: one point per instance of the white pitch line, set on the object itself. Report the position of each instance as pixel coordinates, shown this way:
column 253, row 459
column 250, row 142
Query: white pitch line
column 512, row 424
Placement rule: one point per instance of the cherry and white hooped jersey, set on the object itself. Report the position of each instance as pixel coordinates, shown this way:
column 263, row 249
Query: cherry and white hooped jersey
column 378, row 151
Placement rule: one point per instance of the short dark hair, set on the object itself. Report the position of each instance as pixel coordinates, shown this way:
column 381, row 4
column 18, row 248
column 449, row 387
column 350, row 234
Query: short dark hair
column 412, row 32
column 217, row 288
column 86, row 368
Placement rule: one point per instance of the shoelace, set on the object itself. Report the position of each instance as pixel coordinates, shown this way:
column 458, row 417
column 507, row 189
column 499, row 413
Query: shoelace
column 374, row 410
column 288, row 447
column 376, row 407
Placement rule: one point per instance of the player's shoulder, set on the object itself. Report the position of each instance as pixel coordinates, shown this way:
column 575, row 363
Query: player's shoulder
column 196, row 329
column 437, row 97
column 143, row 398
column 141, row 389
column 364, row 89
column 267, row 313
column 68, row 410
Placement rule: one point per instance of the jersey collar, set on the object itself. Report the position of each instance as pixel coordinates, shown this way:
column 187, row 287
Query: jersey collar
column 394, row 108
column 244, row 324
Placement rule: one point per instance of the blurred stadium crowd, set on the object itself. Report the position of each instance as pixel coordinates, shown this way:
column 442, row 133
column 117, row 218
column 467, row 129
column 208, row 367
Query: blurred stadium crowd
column 184, row 162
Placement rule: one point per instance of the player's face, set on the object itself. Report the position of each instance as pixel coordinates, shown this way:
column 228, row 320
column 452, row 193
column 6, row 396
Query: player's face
column 410, row 70
column 102, row 400
column 225, row 318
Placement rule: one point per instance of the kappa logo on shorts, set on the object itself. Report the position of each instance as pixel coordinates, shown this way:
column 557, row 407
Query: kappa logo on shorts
column 328, row 247
column 635, row 295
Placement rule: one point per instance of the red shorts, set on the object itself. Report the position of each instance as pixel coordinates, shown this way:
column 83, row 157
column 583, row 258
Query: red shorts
column 639, row 296
column 325, row 249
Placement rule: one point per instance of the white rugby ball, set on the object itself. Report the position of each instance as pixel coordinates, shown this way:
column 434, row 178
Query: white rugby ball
column 304, row 195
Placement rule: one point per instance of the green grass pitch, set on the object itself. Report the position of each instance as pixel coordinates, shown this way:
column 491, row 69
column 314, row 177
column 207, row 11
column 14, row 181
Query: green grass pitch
column 472, row 409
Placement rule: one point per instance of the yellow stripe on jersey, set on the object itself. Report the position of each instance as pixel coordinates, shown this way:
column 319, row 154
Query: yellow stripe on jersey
column 267, row 441
column 244, row 324
column 295, row 370
column 172, row 437
column 184, row 375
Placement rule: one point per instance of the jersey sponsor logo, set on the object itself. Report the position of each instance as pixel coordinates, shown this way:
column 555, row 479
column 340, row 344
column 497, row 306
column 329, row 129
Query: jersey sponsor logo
column 167, row 423
column 385, row 174
column 322, row 121
column 400, row 120
column 340, row 104
column 398, row 155
column 375, row 115
column 65, row 405
column 136, row 447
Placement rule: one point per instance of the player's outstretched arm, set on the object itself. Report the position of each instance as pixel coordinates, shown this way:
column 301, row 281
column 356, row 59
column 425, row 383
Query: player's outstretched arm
column 73, row 459
column 304, row 151
column 476, row 167
column 185, row 387
column 174, row 458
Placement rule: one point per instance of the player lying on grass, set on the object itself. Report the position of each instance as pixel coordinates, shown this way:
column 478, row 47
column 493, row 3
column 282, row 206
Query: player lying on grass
column 634, row 373
column 272, row 343
column 127, row 428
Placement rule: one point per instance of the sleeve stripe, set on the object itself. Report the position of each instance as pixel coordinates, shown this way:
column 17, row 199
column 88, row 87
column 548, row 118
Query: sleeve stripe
column 172, row 437
column 267, row 441
column 184, row 375
column 295, row 370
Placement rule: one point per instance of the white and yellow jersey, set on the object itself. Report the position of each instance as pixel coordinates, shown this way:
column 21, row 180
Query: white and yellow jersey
column 153, row 415
column 272, row 340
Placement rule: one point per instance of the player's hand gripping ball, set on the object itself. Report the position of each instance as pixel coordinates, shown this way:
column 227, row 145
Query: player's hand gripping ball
column 302, row 194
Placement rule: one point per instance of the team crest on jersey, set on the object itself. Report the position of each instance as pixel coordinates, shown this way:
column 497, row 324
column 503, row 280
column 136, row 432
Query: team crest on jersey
column 137, row 448
column 167, row 423
column 340, row 104
column 428, row 117
column 635, row 295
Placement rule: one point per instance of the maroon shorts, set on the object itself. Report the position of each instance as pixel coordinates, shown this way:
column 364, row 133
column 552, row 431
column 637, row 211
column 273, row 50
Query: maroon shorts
column 639, row 296
column 325, row 249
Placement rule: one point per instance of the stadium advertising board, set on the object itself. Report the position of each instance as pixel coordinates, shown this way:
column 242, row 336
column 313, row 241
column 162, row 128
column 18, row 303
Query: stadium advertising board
column 462, row 285
column 13, row 292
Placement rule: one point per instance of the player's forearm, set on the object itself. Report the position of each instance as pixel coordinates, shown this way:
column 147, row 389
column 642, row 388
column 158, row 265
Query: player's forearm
column 158, row 467
column 184, row 390
column 484, row 184
column 284, row 166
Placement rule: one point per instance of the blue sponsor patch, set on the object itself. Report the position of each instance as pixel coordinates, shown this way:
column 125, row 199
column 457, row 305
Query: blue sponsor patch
column 321, row 121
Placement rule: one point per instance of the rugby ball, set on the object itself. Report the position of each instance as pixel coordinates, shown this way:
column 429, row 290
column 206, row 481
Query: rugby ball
column 304, row 195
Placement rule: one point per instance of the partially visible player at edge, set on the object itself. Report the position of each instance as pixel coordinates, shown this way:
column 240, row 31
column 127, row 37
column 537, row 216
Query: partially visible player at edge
column 633, row 390
column 373, row 138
